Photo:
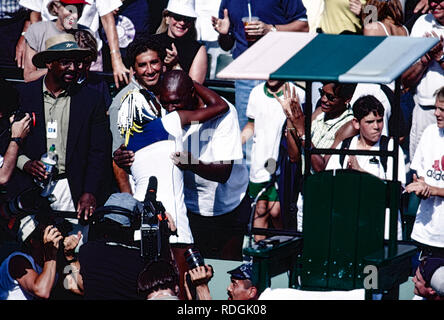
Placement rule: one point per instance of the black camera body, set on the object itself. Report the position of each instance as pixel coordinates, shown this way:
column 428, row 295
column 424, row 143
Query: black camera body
column 154, row 231
column 18, row 115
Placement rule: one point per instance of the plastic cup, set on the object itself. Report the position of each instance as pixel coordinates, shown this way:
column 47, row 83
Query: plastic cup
column 250, row 38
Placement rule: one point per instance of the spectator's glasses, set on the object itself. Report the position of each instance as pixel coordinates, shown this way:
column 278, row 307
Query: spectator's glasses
column 66, row 63
column 179, row 17
column 329, row 96
column 435, row 3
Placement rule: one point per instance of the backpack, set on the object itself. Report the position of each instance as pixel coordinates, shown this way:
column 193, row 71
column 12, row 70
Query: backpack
column 383, row 146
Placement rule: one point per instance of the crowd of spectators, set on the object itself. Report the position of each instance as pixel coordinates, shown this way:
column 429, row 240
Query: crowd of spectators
column 164, row 122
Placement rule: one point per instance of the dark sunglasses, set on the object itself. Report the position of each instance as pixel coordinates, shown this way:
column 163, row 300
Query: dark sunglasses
column 66, row 63
column 179, row 17
column 435, row 3
column 328, row 95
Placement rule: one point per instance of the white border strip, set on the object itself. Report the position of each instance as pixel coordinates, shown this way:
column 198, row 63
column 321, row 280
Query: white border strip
column 266, row 56
column 388, row 60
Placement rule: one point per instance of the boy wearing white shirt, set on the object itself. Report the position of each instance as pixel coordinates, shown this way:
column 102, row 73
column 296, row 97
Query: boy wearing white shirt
column 428, row 184
column 368, row 118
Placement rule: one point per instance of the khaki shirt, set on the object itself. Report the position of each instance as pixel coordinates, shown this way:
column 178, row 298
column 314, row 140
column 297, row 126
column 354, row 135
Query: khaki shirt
column 56, row 112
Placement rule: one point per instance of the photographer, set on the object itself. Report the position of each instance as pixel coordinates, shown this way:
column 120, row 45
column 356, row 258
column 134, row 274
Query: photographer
column 32, row 272
column 199, row 276
column 159, row 280
column 11, row 132
column 111, row 260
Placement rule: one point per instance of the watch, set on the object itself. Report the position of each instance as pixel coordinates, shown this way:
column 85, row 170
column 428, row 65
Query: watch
column 273, row 28
column 17, row 140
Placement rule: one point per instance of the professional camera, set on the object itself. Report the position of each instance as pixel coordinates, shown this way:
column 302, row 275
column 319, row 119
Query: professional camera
column 153, row 226
column 193, row 258
column 29, row 202
column 19, row 115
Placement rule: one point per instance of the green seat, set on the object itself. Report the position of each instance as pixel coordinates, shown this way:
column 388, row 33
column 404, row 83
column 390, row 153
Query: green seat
column 223, row 60
column 278, row 255
column 209, row 59
column 409, row 213
column 343, row 232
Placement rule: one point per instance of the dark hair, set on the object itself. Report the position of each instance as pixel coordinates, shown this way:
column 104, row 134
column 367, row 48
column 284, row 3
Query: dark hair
column 157, row 275
column 390, row 8
column 10, row 97
column 177, row 79
column 85, row 40
column 141, row 45
column 366, row 105
column 343, row 90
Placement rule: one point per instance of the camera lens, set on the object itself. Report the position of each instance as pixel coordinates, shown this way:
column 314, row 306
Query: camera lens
column 193, row 258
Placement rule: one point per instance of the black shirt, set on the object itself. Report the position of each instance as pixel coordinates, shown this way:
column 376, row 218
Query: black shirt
column 110, row 272
column 187, row 48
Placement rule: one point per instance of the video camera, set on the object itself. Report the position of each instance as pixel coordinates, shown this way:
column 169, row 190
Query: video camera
column 146, row 218
column 154, row 231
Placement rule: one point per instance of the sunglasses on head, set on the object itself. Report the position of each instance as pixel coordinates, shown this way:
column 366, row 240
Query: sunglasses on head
column 329, row 96
column 179, row 17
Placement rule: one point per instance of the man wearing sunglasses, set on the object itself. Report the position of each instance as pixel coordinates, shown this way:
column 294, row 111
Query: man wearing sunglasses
column 427, row 74
column 73, row 118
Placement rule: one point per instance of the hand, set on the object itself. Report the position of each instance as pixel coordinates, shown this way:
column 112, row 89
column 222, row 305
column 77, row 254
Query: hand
column 171, row 58
column 292, row 108
column 20, row 52
column 437, row 51
column 170, row 222
column 422, row 6
column 183, row 160
column 86, row 205
column 257, row 28
column 120, row 72
column 70, row 243
column 20, row 129
column 201, row 275
column 419, row 187
column 123, row 158
column 221, row 25
column 353, row 163
column 36, row 169
column 51, row 239
column 355, row 6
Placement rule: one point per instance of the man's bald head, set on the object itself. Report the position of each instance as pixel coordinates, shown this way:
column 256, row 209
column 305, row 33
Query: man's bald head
column 177, row 91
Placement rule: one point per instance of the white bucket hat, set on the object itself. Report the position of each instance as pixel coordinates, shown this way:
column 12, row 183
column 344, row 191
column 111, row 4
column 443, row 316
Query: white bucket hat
column 182, row 7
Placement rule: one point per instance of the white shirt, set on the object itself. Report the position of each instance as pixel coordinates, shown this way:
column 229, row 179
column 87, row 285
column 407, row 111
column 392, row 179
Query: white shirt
column 90, row 15
column 215, row 140
column 205, row 9
column 269, row 119
column 433, row 78
column 153, row 159
column 376, row 169
column 428, row 162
